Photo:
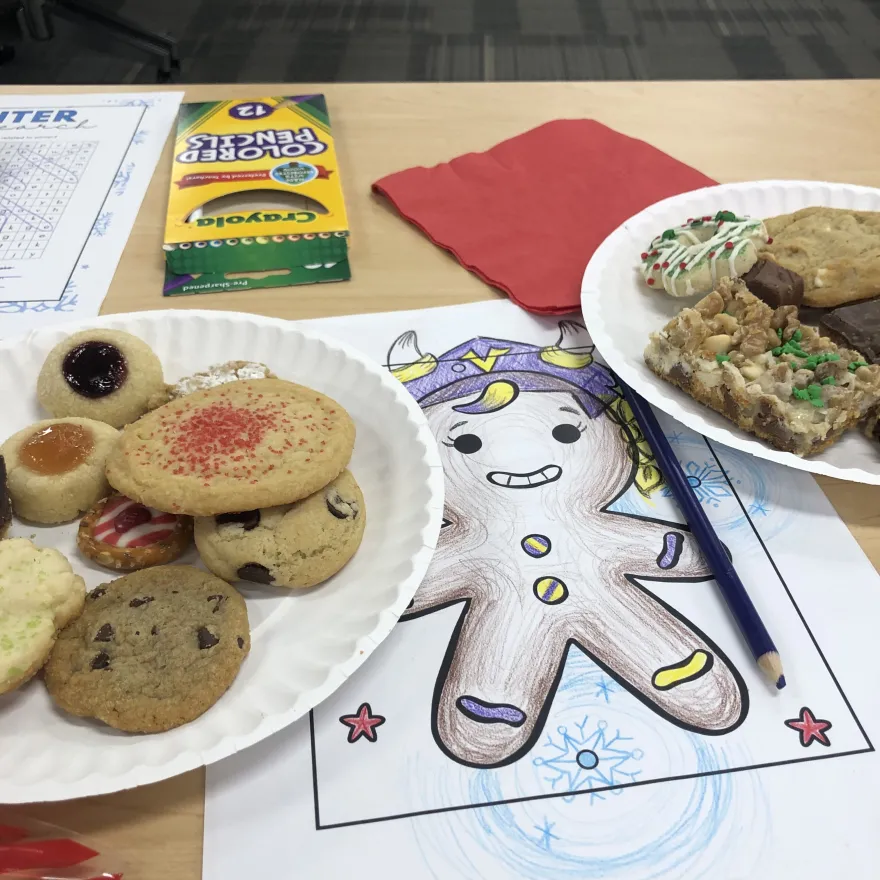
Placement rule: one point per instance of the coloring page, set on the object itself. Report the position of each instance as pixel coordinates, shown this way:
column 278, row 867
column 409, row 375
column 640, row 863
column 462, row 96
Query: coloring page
column 567, row 694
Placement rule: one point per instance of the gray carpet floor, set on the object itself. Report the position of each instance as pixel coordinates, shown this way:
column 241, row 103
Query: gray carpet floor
column 454, row 40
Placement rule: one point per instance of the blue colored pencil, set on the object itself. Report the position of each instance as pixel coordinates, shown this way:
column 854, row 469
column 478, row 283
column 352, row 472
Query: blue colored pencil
column 738, row 601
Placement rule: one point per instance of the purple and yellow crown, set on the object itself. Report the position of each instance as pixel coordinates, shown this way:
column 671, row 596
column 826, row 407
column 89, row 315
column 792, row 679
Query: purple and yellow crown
column 471, row 367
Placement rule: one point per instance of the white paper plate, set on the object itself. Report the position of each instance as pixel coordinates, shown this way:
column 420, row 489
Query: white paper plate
column 621, row 311
column 304, row 645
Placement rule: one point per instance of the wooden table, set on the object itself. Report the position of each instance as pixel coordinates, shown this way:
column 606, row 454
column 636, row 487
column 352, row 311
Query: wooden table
column 731, row 131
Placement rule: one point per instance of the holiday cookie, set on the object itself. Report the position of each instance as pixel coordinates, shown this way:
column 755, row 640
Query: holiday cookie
column 691, row 258
column 106, row 375
column 296, row 545
column 39, row 594
column 219, row 374
column 55, row 468
column 5, row 503
column 240, row 446
column 837, row 252
column 123, row 535
column 152, row 650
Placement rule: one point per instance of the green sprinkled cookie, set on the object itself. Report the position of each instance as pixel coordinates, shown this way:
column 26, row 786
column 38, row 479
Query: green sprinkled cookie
column 39, row 594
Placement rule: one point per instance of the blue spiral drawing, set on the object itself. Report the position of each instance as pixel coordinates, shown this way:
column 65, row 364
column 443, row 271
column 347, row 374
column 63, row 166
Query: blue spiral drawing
column 600, row 737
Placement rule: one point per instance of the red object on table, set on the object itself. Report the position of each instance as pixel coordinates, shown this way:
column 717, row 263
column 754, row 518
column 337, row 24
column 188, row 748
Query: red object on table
column 527, row 215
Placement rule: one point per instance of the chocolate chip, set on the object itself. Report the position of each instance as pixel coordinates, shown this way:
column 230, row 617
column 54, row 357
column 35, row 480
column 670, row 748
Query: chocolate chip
column 219, row 600
column 339, row 507
column 207, row 639
column 137, row 632
column 97, row 592
column 154, row 631
column 94, row 369
column 240, row 641
column 136, row 603
column 247, row 519
column 105, row 633
column 253, row 571
column 100, row 661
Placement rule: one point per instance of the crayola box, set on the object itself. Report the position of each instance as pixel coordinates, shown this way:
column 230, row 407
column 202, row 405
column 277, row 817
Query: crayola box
column 255, row 188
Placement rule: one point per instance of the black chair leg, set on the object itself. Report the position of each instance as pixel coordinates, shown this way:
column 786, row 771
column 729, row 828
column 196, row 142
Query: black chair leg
column 162, row 46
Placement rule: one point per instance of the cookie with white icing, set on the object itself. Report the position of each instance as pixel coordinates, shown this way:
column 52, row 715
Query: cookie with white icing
column 690, row 259
column 122, row 535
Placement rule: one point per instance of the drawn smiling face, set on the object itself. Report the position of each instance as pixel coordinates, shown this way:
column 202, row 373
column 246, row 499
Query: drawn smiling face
column 529, row 443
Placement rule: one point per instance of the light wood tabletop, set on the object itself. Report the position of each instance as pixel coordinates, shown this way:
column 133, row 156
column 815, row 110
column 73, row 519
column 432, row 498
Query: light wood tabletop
column 731, row 131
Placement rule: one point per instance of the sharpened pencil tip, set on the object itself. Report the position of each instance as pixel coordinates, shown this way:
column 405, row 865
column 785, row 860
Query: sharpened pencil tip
column 780, row 682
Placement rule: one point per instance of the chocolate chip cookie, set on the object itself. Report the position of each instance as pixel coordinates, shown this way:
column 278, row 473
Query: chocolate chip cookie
column 152, row 650
column 296, row 545
column 106, row 375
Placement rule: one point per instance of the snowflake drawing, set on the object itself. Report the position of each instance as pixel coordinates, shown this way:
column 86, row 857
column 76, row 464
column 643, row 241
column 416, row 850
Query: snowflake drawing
column 758, row 509
column 123, row 176
column 605, row 687
column 67, row 303
column 675, row 437
column 589, row 757
column 708, row 482
column 140, row 136
column 547, row 835
column 102, row 224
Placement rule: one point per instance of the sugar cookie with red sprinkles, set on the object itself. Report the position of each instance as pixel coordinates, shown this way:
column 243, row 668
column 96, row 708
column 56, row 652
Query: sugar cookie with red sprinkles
column 239, row 446
column 123, row 535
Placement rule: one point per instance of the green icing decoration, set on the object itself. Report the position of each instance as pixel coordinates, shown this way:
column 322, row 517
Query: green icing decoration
column 721, row 358
column 797, row 336
column 668, row 235
column 829, row 380
column 779, row 332
column 856, row 364
column 801, row 393
column 727, row 216
column 814, row 390
column 830, row 356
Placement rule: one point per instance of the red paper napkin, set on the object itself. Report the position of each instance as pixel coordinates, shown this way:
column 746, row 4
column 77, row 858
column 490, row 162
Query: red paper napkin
column 527, row 215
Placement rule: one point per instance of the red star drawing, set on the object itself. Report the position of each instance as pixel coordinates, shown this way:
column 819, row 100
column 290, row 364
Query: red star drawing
column 810, row 728
column 363, row 723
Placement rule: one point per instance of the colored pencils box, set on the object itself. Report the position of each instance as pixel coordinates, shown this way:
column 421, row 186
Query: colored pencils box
column 256, row 199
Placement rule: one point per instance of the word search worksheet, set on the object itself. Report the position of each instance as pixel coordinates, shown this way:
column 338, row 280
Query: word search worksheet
column 58, row 164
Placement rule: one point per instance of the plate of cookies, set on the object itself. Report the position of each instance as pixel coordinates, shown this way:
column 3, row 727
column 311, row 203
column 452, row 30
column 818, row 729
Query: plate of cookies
column 208, row 521
column 751, row 312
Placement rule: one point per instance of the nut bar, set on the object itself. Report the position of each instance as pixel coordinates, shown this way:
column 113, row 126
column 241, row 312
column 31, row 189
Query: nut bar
column 762, row 369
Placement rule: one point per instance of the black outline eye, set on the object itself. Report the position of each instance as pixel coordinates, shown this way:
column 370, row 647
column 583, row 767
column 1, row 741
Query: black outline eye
column 566, row 433
column 467, row 444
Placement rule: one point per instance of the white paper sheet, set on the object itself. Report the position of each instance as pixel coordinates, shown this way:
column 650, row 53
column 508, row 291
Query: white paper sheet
column 73, row 173
column 515, row 726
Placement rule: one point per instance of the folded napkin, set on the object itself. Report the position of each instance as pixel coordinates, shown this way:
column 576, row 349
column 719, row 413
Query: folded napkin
column 527, row 215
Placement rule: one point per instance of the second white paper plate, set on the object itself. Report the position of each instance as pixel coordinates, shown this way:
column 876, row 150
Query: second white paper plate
column 621, row 311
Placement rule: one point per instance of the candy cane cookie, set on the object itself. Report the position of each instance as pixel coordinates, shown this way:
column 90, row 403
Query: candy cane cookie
column 123, row 535
column 691, row 258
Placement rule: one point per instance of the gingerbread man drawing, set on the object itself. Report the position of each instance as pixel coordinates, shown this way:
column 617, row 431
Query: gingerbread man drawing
column 537, row 445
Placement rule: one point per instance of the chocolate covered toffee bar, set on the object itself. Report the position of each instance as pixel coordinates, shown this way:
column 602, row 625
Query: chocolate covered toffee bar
column 760, row 368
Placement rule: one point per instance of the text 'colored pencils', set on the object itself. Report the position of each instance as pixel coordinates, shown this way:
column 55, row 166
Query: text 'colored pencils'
column 738, row 601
